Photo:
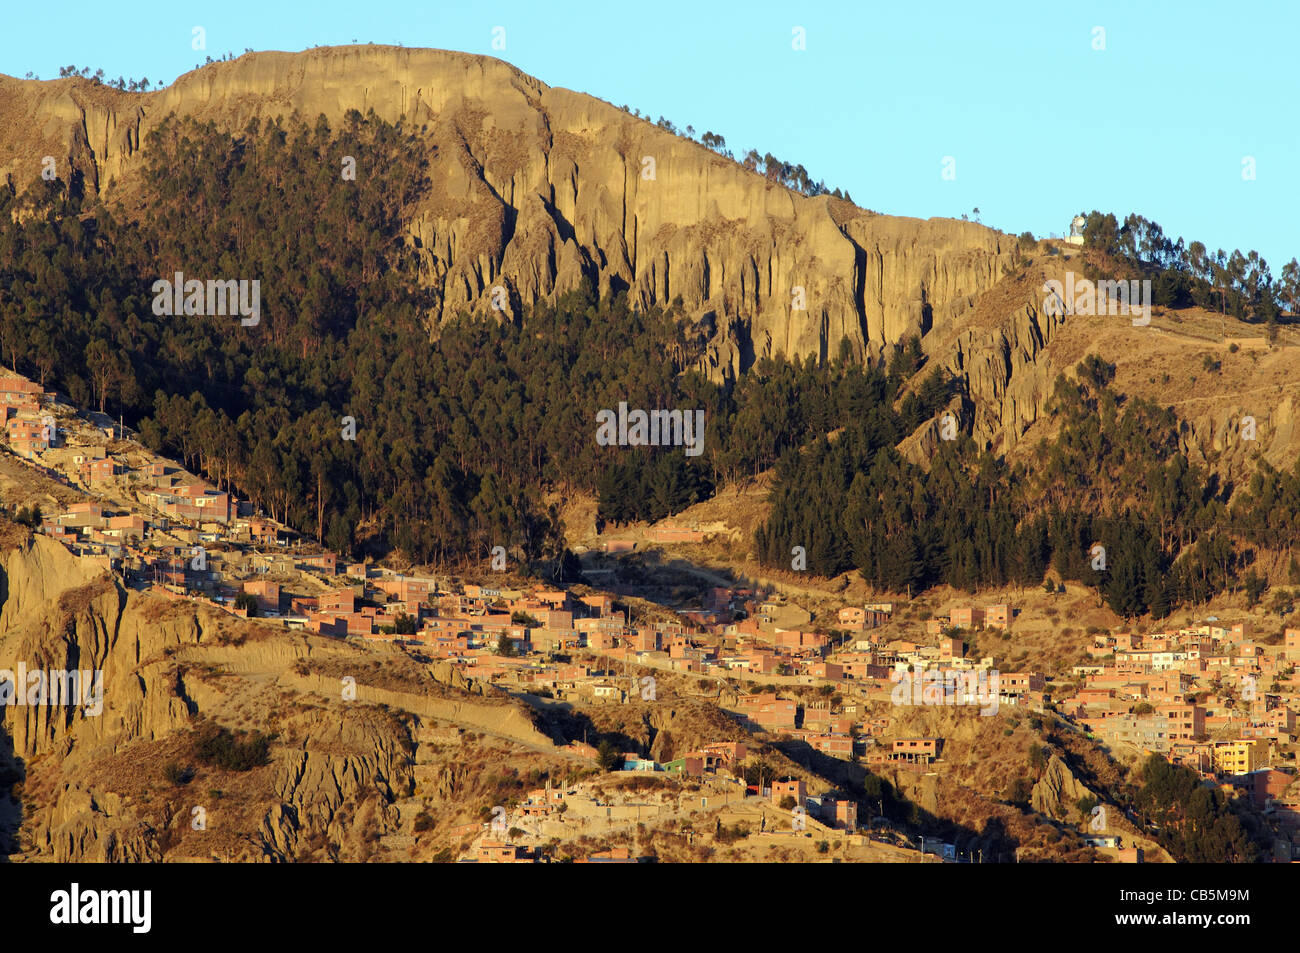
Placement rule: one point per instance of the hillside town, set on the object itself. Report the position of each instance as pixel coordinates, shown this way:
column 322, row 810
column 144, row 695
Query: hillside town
column 1211, row 697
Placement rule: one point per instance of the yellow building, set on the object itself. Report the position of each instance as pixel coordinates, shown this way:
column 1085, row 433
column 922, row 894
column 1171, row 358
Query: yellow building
column 1240, row 757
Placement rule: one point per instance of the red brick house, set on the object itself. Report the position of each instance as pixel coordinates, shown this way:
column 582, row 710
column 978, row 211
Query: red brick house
column 783, row 789
column 916, row 750
column 99, row 471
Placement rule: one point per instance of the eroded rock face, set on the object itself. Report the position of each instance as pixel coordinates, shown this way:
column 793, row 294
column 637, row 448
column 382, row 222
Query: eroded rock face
column 65, row 614
column 1006, row 350
column 1213, row 435
column 535, row 188
column 1057, row 791
column 83, row 826
column 1002, row 376
column 1006, row 374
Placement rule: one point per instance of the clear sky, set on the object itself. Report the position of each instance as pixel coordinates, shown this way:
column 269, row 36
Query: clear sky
column 1040, row 122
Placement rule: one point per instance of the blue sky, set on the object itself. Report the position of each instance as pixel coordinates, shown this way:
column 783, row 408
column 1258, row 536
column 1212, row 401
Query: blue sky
column 1040, row 123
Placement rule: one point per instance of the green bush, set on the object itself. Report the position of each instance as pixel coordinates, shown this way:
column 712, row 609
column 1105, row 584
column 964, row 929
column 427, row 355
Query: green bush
column 729, row 835
column 29, row 518
column 173, row 773
column 220, row 748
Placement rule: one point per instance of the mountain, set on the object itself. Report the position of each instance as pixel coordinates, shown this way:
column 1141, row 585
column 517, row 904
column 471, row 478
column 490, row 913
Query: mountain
column 536, row 187
column 462, row 446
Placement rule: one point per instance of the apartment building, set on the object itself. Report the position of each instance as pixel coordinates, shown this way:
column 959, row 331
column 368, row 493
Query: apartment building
column 967, row 617
column 1240, row 757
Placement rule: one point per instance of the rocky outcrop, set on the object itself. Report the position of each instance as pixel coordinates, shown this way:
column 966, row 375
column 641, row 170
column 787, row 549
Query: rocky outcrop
column 1057, row 791
column 1006, row 350
column 84, row 826
column 1213, row 435
column 1002, row 377
column 36, row 574
column 340, row 761
column 537, row 188
column 1005, row 375
column 66, row 614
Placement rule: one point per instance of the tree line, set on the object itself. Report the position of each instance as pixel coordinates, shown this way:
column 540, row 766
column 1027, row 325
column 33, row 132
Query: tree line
column 1110, row 501
column 1237, row 283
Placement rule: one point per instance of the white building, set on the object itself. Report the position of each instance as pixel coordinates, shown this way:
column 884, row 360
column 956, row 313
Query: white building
column 1076, row 230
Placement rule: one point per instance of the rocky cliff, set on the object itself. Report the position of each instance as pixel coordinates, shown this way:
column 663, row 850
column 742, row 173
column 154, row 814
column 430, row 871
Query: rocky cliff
column 1057, row 793
column 1004, row 350
column 536, row 187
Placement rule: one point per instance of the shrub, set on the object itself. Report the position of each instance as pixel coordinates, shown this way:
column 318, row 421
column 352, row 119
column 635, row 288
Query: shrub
column 173, row 773
column 218, row 747
column 29, row 518
column 729, row 835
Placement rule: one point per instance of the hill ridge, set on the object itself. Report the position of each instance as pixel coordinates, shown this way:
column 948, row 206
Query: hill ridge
column 538, row 188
